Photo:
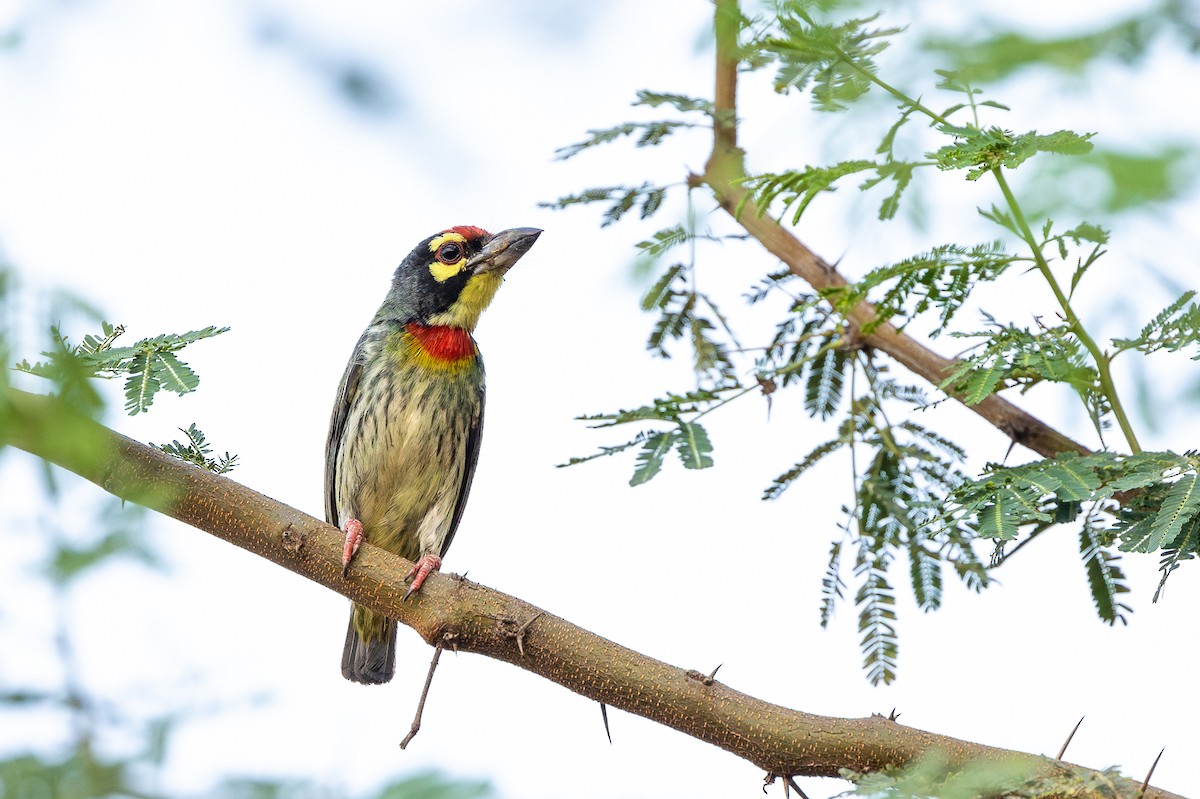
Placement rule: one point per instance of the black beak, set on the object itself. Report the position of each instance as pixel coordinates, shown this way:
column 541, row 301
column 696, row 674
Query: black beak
column 503, row 250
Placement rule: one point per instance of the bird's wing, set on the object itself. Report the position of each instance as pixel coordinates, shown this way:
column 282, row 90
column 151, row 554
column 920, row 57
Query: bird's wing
column 474, row 435
column 346, row 394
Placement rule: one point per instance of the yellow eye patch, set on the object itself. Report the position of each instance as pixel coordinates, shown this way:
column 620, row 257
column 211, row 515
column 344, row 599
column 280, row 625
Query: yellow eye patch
column 449, row 255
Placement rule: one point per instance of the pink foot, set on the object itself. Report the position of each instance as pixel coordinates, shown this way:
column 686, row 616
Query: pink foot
column 354, row 537
column 426, row 565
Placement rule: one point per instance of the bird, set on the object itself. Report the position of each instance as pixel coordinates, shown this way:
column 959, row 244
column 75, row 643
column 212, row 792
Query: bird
column 407, row 420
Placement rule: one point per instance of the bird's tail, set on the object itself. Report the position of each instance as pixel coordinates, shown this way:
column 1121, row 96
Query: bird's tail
column 369, row 656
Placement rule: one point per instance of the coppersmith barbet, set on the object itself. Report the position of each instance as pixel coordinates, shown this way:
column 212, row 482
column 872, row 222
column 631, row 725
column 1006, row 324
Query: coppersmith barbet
column 407, row 420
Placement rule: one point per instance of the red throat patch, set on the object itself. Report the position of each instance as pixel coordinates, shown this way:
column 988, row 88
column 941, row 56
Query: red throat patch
column 445, row 344
column 468, row 232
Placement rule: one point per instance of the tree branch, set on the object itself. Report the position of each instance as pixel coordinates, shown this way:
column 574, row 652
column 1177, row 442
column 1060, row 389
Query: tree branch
column 473, row 618
column 723, row 174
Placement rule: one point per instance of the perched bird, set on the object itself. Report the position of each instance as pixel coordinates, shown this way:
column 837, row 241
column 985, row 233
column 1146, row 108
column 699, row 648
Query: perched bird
column 404, row 437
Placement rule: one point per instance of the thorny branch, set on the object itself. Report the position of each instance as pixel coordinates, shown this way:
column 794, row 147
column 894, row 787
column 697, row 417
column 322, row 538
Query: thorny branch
column 781, row 741
column 723, row 175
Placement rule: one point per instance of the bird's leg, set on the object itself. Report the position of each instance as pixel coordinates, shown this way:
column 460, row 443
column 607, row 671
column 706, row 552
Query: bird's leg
column 424, row 566
column 354, row 537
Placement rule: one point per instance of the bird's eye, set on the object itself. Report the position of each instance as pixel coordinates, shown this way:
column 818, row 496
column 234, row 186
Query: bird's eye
column 450, row 253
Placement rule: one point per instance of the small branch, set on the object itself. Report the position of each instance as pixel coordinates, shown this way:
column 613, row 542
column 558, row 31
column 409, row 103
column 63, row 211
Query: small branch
column 723, row 174
column 778, row 740
column 416, row 724
column 727, row 22
column 1099, row 357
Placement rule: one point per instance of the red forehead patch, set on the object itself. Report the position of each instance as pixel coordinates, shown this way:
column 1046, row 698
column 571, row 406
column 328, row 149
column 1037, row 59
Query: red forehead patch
column 468, row 232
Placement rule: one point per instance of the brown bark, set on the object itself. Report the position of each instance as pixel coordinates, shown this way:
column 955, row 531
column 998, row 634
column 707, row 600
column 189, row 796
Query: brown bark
column 473, row 618
column 723, row 174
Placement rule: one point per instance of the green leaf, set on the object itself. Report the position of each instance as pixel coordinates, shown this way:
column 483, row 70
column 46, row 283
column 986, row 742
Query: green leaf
column 899, row 171
column 197, row 450
column 1186, row 546
column 1178, row 507
column 664, row 288
column 876, row 622
column 982, row 382
column 925, row 571
column 826, row 378
column 623, row 199
column 1172, row 329
column 711, row 358
column 783, row 481
column 650, row 459
column 831, row 583
column 799, row 189
column 173, row 374
column 1086, row 231
column 652, row 133
column 672, row 323
column 1075, row 480
column 663, row 240
column 651, row 201
column 680, row 102
column 694, row 447
column 607, row 451
column 981, row 150
column 1000, row 518
column 141, row 386
column 1105, row 578
column 828, row 58
column 941, row 278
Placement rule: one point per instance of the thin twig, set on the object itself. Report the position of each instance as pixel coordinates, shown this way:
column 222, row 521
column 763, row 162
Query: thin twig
column 416, row 725
column 1067, row 742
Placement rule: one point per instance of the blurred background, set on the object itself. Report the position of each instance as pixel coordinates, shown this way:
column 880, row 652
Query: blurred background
column 265, row 166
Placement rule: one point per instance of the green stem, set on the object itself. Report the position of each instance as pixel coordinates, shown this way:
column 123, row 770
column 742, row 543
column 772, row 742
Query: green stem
column 1100, row 358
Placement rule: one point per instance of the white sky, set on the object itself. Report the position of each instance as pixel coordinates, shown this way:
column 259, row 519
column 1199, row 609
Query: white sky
column 162, row 161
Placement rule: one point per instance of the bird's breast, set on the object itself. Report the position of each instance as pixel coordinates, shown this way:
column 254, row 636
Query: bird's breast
column 437, row 347
column 402, row 462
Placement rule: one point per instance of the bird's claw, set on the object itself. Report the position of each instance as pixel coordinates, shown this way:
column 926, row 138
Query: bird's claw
column 354, row 538
column 425, row 565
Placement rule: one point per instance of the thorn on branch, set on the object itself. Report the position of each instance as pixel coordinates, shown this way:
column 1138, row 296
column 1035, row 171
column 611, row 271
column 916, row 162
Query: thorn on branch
column 293, row 540
column 893, row 716
column 789, row 784
column 704, row 679
column 520, row 631
column 1067, row 742
column 1146, row 782
column 1012, row 443
column 604, row 715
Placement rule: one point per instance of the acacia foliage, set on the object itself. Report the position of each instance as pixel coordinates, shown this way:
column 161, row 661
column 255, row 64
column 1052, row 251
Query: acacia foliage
column 910, row 498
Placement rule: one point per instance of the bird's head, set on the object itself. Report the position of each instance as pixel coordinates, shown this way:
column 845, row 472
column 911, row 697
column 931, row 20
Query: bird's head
column 449, row 278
